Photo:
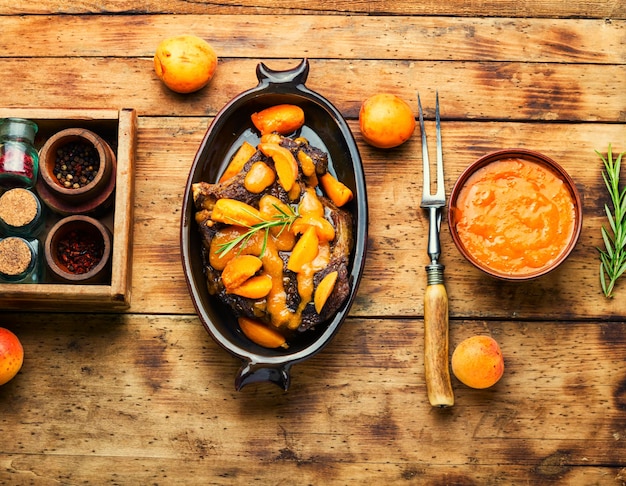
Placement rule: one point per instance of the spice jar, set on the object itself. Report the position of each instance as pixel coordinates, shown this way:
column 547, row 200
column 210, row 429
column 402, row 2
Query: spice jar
column 21, row 213
column 78, row 250
column 77, row 172
column 19, row 260
column 19, row 161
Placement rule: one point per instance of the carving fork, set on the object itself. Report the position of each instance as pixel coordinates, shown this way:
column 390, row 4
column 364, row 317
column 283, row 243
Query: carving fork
column 436, row 368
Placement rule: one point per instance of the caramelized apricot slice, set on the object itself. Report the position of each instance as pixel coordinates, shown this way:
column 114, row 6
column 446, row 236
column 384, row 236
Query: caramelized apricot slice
column 261, row 334
column 284, row 162
column 310, row 204
column 232, row 211
column 306, row 162
column 240, row 269
column 337, row 191
column 324, row 229
column 255, row 287
column 323, row 291
column 284, row 119
column 240, row 158
column 259, row 177
column 304, row 251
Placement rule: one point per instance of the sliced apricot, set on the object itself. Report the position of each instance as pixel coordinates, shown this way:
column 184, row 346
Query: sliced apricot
column 218, row 258
column 240, row 269
column 337, row 191
column 271, row 138
column 310, row 204
column 284, row 162
column 255, row 287
column 261, row 334
column 233, row 211
column 240, row 158
column 284, row 119
column 323, row 291
column 306, row 162
column 259, row 177
column 325, row 230
column 304, row 251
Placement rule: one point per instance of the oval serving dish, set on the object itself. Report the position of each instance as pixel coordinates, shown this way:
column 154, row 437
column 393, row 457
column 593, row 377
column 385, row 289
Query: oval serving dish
column 324, row 128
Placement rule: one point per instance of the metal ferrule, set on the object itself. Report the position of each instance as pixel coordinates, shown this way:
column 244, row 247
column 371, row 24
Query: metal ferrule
column 434, row 274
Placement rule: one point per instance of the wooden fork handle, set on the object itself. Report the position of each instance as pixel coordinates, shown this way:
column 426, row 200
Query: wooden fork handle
column 437, row 372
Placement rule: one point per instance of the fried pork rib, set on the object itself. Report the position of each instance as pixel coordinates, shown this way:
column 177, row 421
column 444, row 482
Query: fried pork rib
column 206, row 195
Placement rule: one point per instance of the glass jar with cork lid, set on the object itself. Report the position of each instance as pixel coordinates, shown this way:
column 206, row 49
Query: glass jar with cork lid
column 19, row 160
column 20, row 260
column 21, row 213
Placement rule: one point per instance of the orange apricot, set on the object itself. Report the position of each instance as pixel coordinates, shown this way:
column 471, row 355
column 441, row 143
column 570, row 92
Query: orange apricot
column 304, row 251
column 255, row 287
column 261, row 334
column 324, row 229
column 284, row 119
column 240, row 158
column 233, row 211
column 185, row 63
column 307, row 164
column 259, row 177
column 477, row 362
column 386, row 120
column 240, row 269
column 337, row 191
column 310, row 204
column 284, row 162
column 323, row 291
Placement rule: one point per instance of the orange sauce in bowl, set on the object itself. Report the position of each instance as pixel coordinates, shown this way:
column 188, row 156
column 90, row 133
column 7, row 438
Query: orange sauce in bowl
column 515, row 216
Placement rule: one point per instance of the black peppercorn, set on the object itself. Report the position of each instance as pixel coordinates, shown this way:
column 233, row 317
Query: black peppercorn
column 76, row 164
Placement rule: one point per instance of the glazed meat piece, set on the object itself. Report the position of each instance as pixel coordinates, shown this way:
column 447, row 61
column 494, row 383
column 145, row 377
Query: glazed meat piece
column 297, row 309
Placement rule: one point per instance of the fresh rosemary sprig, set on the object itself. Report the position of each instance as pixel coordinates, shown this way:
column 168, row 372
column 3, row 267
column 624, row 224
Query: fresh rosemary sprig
column 284, row 219
column 613, row 258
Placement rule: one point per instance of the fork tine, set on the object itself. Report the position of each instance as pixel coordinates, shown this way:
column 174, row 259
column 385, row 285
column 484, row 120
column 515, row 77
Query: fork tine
column 425, row 161
column 440, row 182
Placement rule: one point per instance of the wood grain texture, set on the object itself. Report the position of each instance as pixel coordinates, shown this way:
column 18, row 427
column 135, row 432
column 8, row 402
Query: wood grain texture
column 483, row 8
column 594, row 41
column 133, row 399
column 145, row 396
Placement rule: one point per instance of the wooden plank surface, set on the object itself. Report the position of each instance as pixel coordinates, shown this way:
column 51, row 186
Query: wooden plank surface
column 483, row 8
column 132, row 392
column 145, row 396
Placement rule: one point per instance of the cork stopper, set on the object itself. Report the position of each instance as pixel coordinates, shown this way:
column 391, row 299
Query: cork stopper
column 18, row 207
column 15, row 256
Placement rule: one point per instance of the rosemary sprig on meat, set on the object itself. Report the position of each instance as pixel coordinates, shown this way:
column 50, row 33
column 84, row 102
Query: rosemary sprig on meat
column 283, row 220
column 613, row 257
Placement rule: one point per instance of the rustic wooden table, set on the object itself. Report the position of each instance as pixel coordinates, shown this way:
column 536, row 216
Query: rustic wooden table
column 145, row 396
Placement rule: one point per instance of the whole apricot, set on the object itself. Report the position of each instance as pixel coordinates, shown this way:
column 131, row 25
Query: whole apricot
column 11, row 355
column 185, row 63
column 386, row 120
column 477, row 362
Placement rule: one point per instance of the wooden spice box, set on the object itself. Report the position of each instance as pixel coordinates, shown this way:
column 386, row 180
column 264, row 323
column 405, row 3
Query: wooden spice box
column 118, row 128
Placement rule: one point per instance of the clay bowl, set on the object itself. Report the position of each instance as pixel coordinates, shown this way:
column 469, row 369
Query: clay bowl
column 324, row 128
column 91, row 197
column 532, row 222
column 86, row 228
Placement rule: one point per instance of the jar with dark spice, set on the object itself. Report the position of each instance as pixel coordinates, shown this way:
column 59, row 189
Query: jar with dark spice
column 19, row 260
column 19, row 161
column 21, row 213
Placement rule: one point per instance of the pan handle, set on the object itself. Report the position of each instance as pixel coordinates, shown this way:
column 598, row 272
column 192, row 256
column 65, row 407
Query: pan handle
column 296, row 76
column 278, row 374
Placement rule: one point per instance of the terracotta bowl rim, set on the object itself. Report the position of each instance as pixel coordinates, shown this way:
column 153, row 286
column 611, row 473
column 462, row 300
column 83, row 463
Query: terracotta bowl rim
column 533, row 156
